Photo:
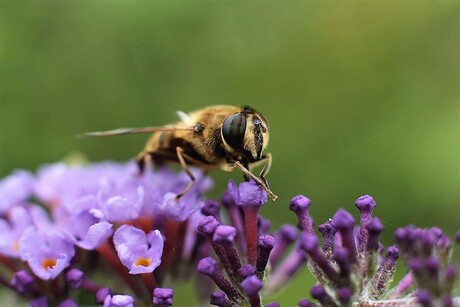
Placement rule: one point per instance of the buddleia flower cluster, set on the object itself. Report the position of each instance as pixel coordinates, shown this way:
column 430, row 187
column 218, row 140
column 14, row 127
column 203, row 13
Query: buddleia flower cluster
column 244, row 249
column 101, row 231
column 350, row 264
column 354, row 269
column 103, row 234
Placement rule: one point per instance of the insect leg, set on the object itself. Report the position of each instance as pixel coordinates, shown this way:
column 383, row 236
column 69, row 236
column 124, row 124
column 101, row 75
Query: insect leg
column 266, row 169
column 267, row 160
column 180, row 156
column 246, row 172
column 267, row 166
column 245, row 165
column 143, row 159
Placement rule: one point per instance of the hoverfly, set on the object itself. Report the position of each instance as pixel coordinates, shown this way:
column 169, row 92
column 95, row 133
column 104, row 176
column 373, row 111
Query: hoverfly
column 217, row 137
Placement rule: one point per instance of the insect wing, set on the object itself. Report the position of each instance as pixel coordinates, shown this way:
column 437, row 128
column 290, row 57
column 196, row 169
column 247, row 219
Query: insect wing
column 123, row 131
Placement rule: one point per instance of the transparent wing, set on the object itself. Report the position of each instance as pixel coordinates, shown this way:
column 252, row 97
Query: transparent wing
column 183, row 116
column 123, row 131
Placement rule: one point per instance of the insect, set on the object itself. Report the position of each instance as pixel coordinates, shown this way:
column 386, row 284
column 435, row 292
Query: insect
column 217, row 137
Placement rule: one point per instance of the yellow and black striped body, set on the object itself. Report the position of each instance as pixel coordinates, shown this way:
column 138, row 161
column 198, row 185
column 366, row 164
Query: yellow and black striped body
column 204, row 145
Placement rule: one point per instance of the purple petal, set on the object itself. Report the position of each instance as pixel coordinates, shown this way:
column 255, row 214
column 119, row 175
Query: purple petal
column 251, row 285
column 41, row 301
column 300, row 206
column 70, row 302
column 247, row 194
column 47, row 255
column 163, row 296
column 75, row 278
column 119, row 301
column 247, row 270
column 102, row 294
column 343, row 220
column 365, row 203
column 15, row 189
column 85, row 231
column 9, row 239
column 218, row 298
column 207, row 266
column 21, row 281
column 344, row 294
column 63, row 184
column 122, row 203
column 211, row 207
column 137, row 251
column 424, row 297
column 305, row 303
column 224, row 233
column 208, row 225
column 180, row 209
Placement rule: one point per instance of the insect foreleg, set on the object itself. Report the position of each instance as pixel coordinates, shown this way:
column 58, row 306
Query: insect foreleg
column 180, row 156
column 266, row 169
column 268, row 164
column 246, row 172
column 267, row 160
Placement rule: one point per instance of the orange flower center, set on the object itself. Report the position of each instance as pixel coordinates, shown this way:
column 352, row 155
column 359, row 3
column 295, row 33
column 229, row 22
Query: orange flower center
column 49, row 263
column 15, row 246
column 143, row 261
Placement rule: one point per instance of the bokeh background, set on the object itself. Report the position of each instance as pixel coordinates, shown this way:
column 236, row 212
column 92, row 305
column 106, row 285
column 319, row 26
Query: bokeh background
column 362, row 97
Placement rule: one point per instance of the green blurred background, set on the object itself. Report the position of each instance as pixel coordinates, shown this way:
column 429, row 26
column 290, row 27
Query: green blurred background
column 362, row 97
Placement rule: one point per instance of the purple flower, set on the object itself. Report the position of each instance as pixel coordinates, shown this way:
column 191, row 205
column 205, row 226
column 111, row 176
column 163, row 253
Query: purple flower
column 285, row 270
column 319, row 292
column 251, row 285
column 79, row 207
column 305, row 303
column 61, row 184
column 139, row 252
column 218, row 298
column 87, row 231
column 225, row 233
column 211, row 207
column 47, row 254
column 283, row 238
column 15, row 189
column 251, row 237
column 162, row 187
column 102, row 294
column 424, row 297
column 300, row 206
column 208, row 266
column 350, row 269
column 344, row 295
column 11, row 230
column 163, row 297
column 70, row 302
column 75, row 278
column 266, row 244
column 119, row 301
column 180, row 209
column 247, row 194
column 41, row 301
column 121, row 200
column 22, row 281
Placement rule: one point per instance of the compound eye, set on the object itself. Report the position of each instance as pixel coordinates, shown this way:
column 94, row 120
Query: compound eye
column 233, row 130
